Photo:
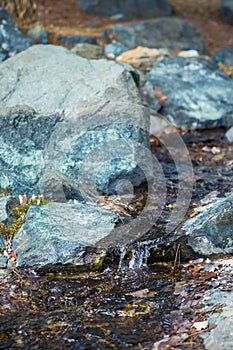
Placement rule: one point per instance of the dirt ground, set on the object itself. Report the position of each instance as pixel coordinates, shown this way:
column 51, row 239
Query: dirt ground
column 64, row 17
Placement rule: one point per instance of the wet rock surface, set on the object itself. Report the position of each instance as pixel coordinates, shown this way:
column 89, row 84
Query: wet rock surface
column 172, row 33
column 197, row 94
column 12, row 40
column 126, row 10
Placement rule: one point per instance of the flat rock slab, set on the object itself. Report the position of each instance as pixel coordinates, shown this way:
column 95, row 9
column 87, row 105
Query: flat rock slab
column 211, row 231
column 61, row 233
column 197, row 94
column 126, row 9
column 12, row 39
column 172, row 33
column 52, row 79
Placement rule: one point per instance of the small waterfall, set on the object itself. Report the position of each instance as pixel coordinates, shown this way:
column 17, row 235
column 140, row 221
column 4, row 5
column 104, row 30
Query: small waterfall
column 135, row 257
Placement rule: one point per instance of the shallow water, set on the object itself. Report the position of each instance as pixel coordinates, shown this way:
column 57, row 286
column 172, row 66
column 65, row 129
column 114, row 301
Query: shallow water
column 96, row 310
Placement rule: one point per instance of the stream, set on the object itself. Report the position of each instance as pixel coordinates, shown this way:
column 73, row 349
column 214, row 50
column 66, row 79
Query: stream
column 129, row 302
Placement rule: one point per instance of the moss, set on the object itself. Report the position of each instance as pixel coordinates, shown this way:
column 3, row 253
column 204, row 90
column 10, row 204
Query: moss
column 17, row 213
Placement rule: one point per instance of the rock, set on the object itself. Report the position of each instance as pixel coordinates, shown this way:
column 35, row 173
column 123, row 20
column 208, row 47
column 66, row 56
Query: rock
column 98, row 147
column 226, row 9
column 62, row 233
column 220, row 337
column 3, row 209
column 2, row 244
column 121, row 9
column 194, row 93
column 101, row 93
column 229, row 134
column 51, row 79
column 171, row 33
column 72, row 40
column 224, row 56
column 3, row 261
column 211, row 231
column 23, row 136
column 38, row 34
column 89, row 51
column 12, row 39
column 114, row 49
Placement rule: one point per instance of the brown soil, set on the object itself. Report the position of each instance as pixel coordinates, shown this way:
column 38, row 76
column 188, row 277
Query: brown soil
column 64, row 17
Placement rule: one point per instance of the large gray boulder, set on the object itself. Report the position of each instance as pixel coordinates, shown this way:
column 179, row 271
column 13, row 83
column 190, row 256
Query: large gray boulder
column 99, row 123
column 168, row 32
column 198, row 94
column 226, row 9
column 52, row 79
column 126, row 9
column 12, row 39
column 60, row 234
column 211, row 231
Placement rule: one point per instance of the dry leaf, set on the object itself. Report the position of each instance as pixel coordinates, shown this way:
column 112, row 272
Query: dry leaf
column 142, row 293
column 160, row 96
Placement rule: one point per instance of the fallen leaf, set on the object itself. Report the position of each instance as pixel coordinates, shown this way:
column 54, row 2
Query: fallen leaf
column 160, row 96
column 200, row 325
column 142, row 293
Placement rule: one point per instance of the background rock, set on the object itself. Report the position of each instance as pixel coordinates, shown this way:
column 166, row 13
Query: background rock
column 196, row 94
column 226, row 9
column 224, row 56
column 126, row 9
column 89, row 51
column 172, row 33
column 23, row 135
column 211, row 231
column 38, row 34
column 72, row 40
column 12, row 39
column 59, row 233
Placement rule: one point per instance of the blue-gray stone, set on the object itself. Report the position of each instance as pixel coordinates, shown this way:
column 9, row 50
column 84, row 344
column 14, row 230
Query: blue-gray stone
column 224, row 56
column 168, row 32
column 23, row 136
column 72, row 40
column 199, row 95
column 61, row 233
column 114, row 49
column 129, row 9
column 100, row 146
column 3, row 261
column 38, row 34
column 226, row 9
column 211, row 231
column 12, row 39
column 3, row 208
